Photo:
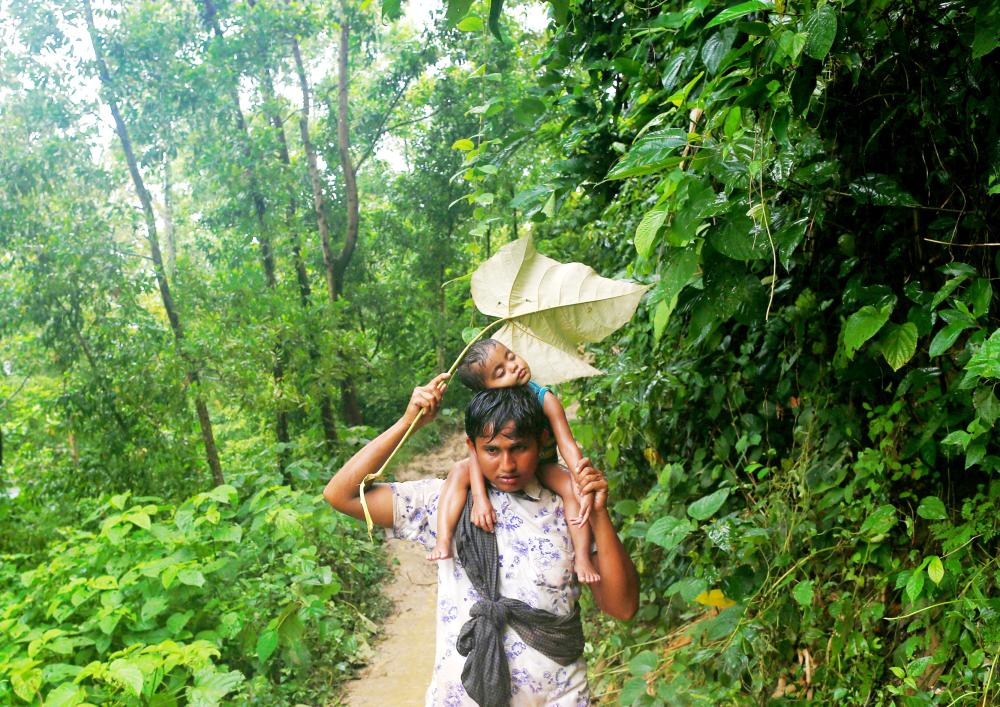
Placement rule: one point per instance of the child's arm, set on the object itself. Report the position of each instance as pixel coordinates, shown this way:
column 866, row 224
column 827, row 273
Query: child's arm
column 559, row 480
column 568, row 447
column 483, row 515
column 556, row 414
column 451, row 501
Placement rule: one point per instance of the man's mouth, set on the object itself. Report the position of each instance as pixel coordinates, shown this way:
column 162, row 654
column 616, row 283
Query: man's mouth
column 507, row 478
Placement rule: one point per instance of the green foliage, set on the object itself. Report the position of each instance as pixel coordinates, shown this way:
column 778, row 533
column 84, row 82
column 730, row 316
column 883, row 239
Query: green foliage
column 216, row 599
column 799, row 432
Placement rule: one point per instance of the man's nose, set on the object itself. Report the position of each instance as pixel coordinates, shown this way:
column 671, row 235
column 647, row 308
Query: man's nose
column 506, row 461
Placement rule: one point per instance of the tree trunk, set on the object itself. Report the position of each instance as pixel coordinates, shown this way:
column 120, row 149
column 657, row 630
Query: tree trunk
column 335, row 265
column 211, row 453
column 327, row 418
column 168, row 220
column 314, row 177
column 280, row 355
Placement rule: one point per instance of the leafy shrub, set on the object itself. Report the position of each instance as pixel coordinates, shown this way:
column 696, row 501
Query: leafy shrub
column 214, row 598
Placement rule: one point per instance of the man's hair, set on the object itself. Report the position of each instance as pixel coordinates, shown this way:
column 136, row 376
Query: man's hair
column 470, row 368
column 490, row 410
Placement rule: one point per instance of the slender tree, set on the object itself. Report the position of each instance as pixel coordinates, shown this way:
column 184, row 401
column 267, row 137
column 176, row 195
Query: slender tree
column 193, row 377
column 280, row 355
column 301, row 274
column 335, row 265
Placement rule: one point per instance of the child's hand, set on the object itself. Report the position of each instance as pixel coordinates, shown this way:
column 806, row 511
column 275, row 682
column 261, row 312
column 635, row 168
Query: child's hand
column 586, row 504
column 483, row 515
column 591, row 484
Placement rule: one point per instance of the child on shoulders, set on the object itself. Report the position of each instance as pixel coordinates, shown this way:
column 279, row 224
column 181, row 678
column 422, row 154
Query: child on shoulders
column 490, row 364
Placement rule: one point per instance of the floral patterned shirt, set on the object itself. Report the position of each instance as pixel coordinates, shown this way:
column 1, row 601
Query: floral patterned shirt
column 536, row 566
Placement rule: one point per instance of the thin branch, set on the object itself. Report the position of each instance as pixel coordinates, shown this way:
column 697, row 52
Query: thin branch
column 964, row 245
column 371, row 148
column 14, row 394
column 382, row 130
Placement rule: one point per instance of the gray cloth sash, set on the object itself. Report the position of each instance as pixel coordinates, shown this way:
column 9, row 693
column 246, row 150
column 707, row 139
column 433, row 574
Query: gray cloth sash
column 486, row 674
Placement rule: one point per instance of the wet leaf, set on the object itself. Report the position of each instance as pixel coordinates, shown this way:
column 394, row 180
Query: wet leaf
column 706, row 507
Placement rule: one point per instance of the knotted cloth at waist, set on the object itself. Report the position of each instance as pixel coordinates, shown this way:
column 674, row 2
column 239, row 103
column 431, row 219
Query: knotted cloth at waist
column 486, row 674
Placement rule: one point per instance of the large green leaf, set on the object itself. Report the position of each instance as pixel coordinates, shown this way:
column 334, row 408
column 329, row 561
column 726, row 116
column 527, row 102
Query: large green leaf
column 66, row 695
column 737, row 11
column 267, row 641
column 878, row 523
column 987, row 33
column 211, row 686
column 127, row 673
column 496, row 10
column 391, row 10
column 715, row 48
column 668, row 532
column 945, row 338
column 803, row 593
column 652, row 152
column 863, row 325
column 880, row 190
column 678, row 266
column 822, row 30
column 457, row 9
column 706, row 507
column 985, row 362
column 898, row 344
column 932, row 508
column 738, row 237
column 645, row 233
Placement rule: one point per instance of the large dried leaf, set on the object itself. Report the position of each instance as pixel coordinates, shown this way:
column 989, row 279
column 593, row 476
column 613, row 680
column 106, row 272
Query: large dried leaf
column 553, row 307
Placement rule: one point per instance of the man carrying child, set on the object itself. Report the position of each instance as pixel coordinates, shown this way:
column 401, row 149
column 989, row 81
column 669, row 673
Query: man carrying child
column 508, row 626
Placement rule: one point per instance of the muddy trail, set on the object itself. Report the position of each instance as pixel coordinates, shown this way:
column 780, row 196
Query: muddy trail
column 400, row 670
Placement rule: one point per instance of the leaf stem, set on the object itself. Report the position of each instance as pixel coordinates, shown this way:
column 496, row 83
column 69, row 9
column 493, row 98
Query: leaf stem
column 413, row 425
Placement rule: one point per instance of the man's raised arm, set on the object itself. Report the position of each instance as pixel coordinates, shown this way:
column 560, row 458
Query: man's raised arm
column 341, row 491
column 617, row 594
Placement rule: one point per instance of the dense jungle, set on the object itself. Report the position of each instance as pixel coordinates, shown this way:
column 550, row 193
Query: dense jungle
column 235, row 234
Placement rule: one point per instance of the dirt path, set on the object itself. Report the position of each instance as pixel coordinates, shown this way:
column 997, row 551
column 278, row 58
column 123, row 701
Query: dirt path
column 401, row 669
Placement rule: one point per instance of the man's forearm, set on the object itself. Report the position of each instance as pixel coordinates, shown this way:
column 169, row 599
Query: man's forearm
column 617, row 594
column 342, row 491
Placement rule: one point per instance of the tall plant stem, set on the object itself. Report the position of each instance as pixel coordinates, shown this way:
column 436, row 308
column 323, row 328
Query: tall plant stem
column 409, row 430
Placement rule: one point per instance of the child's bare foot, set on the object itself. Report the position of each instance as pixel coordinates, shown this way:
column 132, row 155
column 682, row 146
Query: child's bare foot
column 585, row 571
column 441, row 549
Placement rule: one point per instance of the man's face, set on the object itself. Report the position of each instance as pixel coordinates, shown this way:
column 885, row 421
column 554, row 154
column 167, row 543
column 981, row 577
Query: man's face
column 507, row 462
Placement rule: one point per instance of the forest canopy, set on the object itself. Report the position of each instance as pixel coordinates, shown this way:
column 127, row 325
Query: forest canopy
column 234, row 234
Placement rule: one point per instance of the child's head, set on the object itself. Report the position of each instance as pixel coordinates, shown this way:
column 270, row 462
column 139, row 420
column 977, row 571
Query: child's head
column 489, row 364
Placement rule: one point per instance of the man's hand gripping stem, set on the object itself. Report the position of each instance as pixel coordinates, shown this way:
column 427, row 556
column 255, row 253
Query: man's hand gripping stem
column 422, row 408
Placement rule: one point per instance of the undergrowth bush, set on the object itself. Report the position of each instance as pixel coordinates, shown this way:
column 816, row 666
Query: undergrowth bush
column 216, row 599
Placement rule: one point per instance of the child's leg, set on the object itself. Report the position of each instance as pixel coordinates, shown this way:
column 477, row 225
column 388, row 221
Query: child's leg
column 450, row 505
column 559, row 480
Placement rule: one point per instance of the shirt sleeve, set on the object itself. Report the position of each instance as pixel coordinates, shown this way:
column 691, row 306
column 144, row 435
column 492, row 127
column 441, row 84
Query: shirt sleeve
column 414, row 511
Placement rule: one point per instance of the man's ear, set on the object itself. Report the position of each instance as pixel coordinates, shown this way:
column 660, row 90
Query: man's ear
column 470, row 445
column 544, row 438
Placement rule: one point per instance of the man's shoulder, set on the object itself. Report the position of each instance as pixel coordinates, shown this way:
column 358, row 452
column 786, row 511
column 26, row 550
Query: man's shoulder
column 418, row 488
column 414, row 510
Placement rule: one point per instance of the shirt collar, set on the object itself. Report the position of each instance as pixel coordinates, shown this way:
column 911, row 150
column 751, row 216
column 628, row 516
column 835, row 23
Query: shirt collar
column 533, row 491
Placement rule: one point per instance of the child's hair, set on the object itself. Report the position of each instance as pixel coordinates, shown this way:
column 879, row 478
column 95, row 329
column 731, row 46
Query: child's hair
column 470, row 370
column 489, row 410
